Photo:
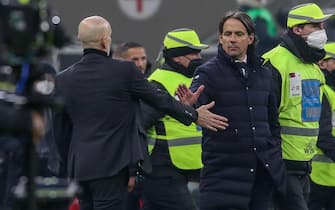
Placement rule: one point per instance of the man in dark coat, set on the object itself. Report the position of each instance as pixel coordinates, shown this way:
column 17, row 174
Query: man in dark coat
column 101, row 97
column 242, row 164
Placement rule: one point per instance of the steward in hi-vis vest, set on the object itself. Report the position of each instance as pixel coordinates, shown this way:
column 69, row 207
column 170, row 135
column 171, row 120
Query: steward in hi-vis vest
column 175, row 149
column 298, row 79
column 300, row 104
column 184, row 142
column 323, row 163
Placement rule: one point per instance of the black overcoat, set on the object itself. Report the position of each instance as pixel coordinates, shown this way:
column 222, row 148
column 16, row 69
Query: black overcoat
column 99, row 122
column 231, row 156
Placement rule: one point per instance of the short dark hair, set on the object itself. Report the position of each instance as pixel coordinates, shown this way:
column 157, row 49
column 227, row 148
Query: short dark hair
column 244, row 18
column 124, row 47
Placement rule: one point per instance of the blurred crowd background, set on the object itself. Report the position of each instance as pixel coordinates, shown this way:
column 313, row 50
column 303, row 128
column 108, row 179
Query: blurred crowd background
column 147, row 21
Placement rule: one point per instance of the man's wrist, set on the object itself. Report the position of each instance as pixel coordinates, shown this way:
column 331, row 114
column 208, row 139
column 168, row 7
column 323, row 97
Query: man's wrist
column 196, row 115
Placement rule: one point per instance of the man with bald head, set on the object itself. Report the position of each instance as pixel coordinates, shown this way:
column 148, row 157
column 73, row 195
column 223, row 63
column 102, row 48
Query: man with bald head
column 100, row 120
column 94, row 30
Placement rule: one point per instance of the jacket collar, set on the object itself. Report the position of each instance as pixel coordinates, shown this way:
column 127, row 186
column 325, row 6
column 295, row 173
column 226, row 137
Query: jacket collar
column 297, row 46
column 253, row 61
column 94, row 51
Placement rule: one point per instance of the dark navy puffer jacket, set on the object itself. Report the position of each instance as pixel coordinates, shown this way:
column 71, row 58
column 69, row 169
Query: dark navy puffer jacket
column 230, row 156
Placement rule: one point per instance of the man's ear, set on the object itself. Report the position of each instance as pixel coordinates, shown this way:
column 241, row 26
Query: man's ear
column 177, row 59
column 322, row 64
column 220, row 38
column 297, row 30
column 251, row 38
column 104, row 43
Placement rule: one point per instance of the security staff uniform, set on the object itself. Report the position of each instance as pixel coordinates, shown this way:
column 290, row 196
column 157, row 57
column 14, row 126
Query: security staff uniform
column 175, row 149
column 323, row 164
column 297, row 83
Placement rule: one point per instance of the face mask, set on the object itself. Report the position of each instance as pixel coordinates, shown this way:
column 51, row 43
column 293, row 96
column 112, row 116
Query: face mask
column 317, row 39
column 193, row 65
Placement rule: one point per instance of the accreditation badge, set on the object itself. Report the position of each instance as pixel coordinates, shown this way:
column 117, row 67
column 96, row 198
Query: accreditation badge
column 295, row 84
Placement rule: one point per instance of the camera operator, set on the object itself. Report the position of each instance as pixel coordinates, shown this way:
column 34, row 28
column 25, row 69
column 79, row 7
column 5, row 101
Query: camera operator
column 27, row 33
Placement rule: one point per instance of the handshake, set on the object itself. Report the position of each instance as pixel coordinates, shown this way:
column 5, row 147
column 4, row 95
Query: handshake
column 206, row 119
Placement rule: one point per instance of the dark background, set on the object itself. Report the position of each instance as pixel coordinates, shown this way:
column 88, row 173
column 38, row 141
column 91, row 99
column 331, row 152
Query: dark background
column 201, row 15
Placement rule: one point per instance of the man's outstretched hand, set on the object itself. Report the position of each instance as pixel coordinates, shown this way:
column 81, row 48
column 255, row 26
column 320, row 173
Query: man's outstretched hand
column 209, row 120
column 37, row 126
column 186, row 96
column 131, row 183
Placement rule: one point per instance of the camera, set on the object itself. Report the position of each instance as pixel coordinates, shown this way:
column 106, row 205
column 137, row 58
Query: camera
column 28, row 33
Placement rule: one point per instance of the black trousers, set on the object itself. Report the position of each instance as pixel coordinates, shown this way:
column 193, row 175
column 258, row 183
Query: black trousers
column 134, row 197
column 168, row 192
column 321, row 197
column 108, row 193
column 12, row 167
column 296, row 195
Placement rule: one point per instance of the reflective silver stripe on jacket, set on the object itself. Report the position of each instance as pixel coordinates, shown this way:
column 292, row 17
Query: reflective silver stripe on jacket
column 178, row 142
column 184, row 141
column 322, row 158
column 299, row 131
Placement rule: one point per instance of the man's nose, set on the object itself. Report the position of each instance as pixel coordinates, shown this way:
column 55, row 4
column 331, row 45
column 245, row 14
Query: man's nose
column 233, row 38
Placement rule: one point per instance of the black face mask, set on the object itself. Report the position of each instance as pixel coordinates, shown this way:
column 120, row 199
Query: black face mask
column 192, row 66
column 189, row 71
column 330, row 79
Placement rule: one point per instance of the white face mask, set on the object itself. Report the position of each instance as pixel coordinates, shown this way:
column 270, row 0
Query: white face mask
column 317, row 39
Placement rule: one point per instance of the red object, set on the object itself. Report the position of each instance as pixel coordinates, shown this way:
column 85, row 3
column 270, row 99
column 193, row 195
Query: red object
column 139, row 4
column 140, row 203
column 74, row 205
column 292, row 74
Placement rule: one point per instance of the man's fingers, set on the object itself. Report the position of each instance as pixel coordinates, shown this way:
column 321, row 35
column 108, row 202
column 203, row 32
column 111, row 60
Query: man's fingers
column 179, row 95
column 210, row 120
column 217, row 121
column 131, row 183
column 219, row 124
column 211, row 128
column 182, row 89
column 215, row 124
column 199, row 90
column 219, row 117
column 210, row 105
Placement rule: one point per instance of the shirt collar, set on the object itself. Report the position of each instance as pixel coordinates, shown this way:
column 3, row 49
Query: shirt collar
column 96, row 51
